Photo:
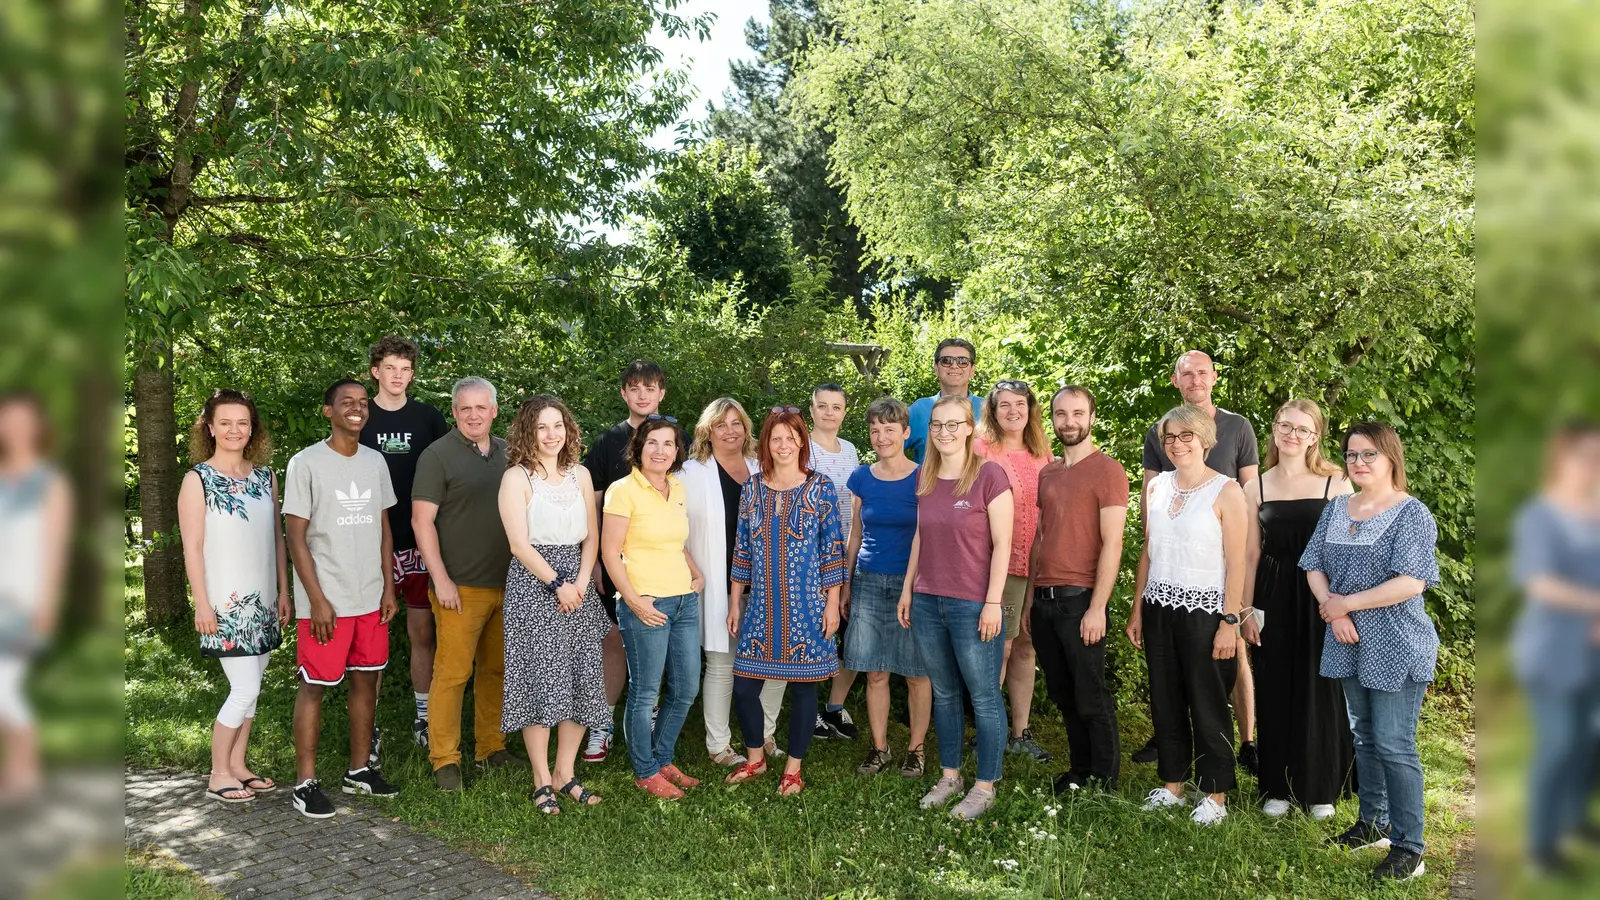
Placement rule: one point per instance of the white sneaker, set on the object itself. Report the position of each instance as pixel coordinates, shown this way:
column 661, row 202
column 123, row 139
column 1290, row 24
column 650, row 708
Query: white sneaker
column 1276, row 808
column 1161, row 798
column 1209, row 812
column 1321, row 812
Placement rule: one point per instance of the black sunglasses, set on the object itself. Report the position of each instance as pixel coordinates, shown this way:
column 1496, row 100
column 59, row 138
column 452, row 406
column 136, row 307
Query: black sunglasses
column 1019, row 387
column 657, row 417
column 959, row 362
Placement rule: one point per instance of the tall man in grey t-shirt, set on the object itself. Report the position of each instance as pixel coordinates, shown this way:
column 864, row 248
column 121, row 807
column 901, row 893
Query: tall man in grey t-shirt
column 1238, row 456
column 334, row 499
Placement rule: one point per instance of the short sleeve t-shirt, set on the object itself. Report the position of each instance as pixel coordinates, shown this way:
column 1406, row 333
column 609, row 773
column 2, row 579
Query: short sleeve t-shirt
column 921, row 414
column 658, row 529
column 888, row 520
column 1070, row 501
column 607, row 462
column 401, row 436
column 953, row 559
column 466, row 486
column 1236, row 447
column 341, row 498
column 838, row 466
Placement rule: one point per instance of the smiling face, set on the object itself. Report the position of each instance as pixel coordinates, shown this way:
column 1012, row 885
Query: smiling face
column 1195, row 377
column 474, row 409
column 1071, row 418
column 348, row 414
column 888, row 439
column 230, row 426
column 1011, row 411
column 1292, row 433
column 644, row 397
column 954, row 368
column 728, row 433
column 550, row 432
column 21, row 428
column 1367, row 465
column 660, row 450
column 950, row 428
column 784, row 445
column 827, row 411
column 1184, row 447
column 393, row 375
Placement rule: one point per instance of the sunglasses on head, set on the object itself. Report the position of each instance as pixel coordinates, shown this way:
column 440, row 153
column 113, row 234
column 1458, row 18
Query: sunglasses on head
column 657, row 417
column 786, row 409
column 1017, row 387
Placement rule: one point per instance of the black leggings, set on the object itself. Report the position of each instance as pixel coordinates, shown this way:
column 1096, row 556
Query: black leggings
column 802, row 713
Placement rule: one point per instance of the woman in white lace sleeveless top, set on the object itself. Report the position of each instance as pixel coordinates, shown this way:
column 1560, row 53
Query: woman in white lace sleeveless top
column 1187, row 596
column 554, row 623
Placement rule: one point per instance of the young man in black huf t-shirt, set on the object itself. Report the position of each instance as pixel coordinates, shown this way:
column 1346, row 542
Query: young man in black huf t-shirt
column 401, row 427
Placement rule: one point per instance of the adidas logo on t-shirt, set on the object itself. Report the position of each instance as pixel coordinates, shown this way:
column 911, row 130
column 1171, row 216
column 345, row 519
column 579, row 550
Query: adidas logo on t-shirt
column 355, row 501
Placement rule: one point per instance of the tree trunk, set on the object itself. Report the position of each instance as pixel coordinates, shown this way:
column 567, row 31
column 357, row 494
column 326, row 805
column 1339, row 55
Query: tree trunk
column 164, row 597
column 90, row 464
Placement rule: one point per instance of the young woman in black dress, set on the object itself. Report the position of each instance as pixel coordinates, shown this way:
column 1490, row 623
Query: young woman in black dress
column 1302, row 732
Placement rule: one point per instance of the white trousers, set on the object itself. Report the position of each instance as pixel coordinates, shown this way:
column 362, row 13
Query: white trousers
column 717, row 700
column 244, row 686
column 14, row 709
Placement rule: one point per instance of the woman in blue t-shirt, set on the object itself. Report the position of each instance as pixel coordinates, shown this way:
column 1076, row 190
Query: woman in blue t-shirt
column 884, row 524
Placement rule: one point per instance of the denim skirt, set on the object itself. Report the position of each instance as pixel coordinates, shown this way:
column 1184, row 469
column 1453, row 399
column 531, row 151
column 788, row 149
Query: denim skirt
column 875, row 642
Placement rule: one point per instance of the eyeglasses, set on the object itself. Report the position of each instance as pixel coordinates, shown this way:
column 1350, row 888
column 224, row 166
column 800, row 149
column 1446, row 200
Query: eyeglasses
column 959, row 362
column 1018, row 387
column 952, row 427
column 786, row 409
column 657, row 417
column 1366, row 456
column 1299, row 431
column 1168, row 440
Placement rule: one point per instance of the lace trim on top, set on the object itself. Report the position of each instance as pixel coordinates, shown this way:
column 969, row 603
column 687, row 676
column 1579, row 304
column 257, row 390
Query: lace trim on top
column 1188, row 599
column 561, row 496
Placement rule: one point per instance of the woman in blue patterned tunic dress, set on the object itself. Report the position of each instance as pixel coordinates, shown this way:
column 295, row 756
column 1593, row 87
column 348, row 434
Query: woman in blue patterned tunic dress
column 1368, row 563
column 234, row 553
column 790, row 553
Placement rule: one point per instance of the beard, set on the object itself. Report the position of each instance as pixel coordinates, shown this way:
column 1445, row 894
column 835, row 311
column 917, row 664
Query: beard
column 1071, row 438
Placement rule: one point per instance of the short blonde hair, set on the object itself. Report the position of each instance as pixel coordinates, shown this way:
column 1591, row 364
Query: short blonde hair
column 711, row 415
column 888, row 411
column 1191, row 418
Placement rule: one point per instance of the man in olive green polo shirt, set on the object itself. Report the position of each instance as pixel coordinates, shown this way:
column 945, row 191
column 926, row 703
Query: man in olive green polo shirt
column 455, row 513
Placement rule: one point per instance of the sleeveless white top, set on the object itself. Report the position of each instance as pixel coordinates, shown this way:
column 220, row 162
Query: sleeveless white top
column 22, row 540
column 556, row 512
column 1187, row 569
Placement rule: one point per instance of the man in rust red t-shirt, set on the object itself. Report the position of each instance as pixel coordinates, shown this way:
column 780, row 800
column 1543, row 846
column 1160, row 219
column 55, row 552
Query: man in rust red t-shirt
column 1083, row 505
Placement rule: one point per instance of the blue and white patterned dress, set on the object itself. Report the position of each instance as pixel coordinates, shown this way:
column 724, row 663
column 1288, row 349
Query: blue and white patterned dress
column 788, row 563
column 241, row 557
column 1398, row 643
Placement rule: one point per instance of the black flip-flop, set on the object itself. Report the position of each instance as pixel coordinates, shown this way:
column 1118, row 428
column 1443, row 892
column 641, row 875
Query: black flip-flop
column 250, row 784
column 544, row 800
column 583, row 796
column 217, row 794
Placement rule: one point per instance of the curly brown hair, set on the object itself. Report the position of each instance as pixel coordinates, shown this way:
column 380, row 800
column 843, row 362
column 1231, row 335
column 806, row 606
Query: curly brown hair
column 391, row 345
column 202, row 445
column 522, row 439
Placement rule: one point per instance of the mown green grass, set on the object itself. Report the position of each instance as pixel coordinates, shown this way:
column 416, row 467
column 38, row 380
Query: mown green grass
column 845, row 837
column 150, row 875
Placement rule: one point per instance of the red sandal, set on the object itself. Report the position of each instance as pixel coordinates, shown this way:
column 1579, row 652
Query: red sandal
column 747, row 772
column 791, row 780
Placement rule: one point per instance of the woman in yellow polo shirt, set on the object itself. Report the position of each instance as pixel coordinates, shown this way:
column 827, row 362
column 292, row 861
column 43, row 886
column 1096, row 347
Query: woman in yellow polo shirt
column 643, row 541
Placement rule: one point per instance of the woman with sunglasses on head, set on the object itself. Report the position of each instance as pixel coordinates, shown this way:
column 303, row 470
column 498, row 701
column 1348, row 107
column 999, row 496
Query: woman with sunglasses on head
column 1012, row 434
column 1302, row 731
column 790, row 554
column 1187, row 595
column 952, row 599
column 642, row 541
column 1368, row 563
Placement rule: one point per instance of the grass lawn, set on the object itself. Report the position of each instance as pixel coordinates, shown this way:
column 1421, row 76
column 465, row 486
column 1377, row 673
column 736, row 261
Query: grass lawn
column 845, row 837
column 153, row 875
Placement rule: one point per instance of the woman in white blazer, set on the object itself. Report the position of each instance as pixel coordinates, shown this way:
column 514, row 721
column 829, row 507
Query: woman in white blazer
column 722, row 459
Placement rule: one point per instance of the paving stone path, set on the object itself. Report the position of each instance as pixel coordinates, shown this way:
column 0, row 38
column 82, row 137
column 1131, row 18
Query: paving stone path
column 266, row 849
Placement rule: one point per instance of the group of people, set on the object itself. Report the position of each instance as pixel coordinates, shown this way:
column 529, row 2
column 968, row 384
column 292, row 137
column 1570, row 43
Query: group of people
column 965, row 558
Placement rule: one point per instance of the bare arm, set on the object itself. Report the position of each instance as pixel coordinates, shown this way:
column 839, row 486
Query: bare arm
column 903, row 608
column 1394, row 591
column 1344, row 630
column 613, row 532
column 1135, row 627
column 388, row 607
column 1248, row 474
column 591, row 537
column 513, row 503
column 423, row 514
column 1000, row 510
column 1113, row 523
column 852, row 549
column 285, row 600
column 1552, row 591
column 322, row 616
column 1232, row 511
column 1144, row 498
column 1252, row 542
column 192, row 528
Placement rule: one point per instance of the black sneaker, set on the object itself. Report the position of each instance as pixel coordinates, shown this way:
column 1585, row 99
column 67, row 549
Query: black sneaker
column 419, row 732
column 1399, row 865
column 1362, row 835
column 839, row 721
column 375, row 751
column 876, row 761
column 1027, row 746
column 1248, row 758
column 1147, row 753
column 824, row 729
column 496, row 760
column 1067, row 783
column 368, row 781
column 311, row 802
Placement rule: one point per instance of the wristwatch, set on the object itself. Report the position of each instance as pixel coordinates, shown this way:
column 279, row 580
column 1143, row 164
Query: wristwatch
column 1229, row 618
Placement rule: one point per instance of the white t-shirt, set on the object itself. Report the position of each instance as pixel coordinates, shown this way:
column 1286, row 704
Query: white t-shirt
column 341, row 497
column 838, row 466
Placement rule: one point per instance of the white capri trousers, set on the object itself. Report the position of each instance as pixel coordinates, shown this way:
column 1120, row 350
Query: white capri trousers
column 244, row 686
column 14, row 709
column 717, row 702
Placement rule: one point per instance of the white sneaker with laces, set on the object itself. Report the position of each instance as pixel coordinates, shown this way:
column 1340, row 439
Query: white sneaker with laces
column 599, row 746
column 1209, row 812
column 1322, row 812
column 1276, row 808
column 1160, row 798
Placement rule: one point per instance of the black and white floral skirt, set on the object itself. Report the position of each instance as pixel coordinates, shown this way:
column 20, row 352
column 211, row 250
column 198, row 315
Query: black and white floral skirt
column 554, row 669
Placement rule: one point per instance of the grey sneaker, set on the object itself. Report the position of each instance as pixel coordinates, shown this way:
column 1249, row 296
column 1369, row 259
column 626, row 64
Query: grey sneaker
column 975, row 804
column 915, row 765
column 496, row 760
column 1027, row 746
column 876, row 761
column 448, row 777
column 943, row 792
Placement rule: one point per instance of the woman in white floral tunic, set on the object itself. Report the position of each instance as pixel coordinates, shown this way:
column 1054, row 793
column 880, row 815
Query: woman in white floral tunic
column 234, row 552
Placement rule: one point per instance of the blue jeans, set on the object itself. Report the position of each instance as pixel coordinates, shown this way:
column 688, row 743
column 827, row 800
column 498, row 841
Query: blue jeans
column 1388, row 768
column 1563, row 764
column 673, row 650
column 946, row 630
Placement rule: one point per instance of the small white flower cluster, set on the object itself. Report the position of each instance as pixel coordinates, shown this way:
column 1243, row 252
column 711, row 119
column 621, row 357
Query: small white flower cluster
column 1039, row 834
column 1010, row 865
column 1051, row 811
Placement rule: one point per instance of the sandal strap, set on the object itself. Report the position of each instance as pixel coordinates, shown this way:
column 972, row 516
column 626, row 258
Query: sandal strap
column 584, row 794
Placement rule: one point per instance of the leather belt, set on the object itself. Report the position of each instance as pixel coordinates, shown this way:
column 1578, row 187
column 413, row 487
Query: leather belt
column 1061, row 592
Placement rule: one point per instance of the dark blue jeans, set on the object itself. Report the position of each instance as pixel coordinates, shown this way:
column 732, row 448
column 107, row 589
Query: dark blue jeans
column 672, row 650
column 946, row 629
column 1563, row 763
column 1388, row 769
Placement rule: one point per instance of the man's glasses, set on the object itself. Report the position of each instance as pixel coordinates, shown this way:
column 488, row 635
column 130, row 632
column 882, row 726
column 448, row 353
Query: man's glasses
column 657, row 417
column 786, row 409
column 1167, row 440
column 952, row 427
column 1016, row 387
column 1366, row 456
column 958, row 362
column 1299, row 431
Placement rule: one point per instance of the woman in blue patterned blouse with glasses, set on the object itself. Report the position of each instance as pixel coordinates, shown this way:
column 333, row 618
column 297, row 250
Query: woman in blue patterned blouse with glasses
column 1368, row 563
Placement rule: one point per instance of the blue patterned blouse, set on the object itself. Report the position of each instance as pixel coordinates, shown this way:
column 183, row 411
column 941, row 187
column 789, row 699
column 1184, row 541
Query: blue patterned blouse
column 788, row 564
column 1398, row 643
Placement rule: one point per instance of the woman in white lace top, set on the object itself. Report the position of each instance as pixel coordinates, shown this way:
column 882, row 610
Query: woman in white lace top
column 1187, row 596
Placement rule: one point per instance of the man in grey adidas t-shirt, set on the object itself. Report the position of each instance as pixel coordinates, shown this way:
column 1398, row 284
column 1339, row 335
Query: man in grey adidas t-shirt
column 334, row 499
